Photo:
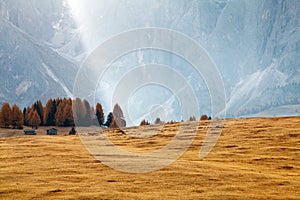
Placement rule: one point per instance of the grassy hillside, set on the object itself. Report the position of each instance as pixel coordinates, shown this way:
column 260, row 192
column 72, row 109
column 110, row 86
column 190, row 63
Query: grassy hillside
column 256, row 158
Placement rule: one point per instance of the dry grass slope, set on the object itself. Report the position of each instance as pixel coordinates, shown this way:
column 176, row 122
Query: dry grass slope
column 255, row 158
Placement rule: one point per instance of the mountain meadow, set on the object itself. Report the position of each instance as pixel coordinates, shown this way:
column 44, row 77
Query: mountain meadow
column 254, row 158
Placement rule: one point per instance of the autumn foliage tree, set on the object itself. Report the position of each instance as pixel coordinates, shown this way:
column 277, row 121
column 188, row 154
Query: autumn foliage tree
column 5, row 115
column 118, row 116
column 82, row 112
column 86, row 113
column 59, row 115
column 16, row 117
column 192, row 118
column 114, row 124
column 204, row 117
column 94, row 120
column 100, row 114
column 78, row 111
column 57, row 112
column 49, row 113
column 64, row 114
column 34, row 119
column 68, row 114
column 26, row 116
column 38, row 106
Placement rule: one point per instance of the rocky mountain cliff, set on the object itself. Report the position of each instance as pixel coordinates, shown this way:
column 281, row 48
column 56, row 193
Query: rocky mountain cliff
column 255, row 45
column 31, row 68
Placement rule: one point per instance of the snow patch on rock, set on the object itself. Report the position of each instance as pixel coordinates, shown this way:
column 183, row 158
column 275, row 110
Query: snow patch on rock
column 23, row 87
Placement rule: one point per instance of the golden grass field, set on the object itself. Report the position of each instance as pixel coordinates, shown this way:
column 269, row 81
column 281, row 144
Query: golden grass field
column 255, row 158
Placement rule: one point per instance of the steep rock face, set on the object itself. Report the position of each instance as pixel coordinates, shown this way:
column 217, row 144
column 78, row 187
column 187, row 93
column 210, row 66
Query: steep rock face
column 262, row 55
column 48, row 21
column 31, row 70
column 255, row 44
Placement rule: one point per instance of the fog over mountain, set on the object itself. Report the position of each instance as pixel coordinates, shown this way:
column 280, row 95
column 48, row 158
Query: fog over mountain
column 254, row 44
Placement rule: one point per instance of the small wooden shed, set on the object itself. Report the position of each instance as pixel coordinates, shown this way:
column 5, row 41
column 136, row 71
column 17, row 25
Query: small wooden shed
column 52, row 131
column 30, row 132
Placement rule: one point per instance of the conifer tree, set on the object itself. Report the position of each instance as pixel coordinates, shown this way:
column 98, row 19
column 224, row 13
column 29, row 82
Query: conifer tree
column 26, row 116
column 49, row 113
column 94, row 120
column 204, row 117
column 157, row 121
column 1, row 120
column 68, row 115
column 192, row 118
column 86, row 113
column 34, row 119
column 78, row 111
column 59, row 116
column 118, row 116
column 100, row 114
column 109, row 119
column 16, row 117
column 144, row 123
column 113, row 124
column 5, row 117
column 38, row 106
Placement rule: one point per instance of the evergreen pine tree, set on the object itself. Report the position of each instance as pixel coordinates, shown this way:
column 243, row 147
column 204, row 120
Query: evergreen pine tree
column 26, row 116
column 109, row 119
column 38, row 106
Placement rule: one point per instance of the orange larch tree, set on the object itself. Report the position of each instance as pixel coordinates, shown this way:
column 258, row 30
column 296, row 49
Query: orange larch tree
column 34, row 119
column 68, row 114
column 118, row 116
column 100, row 114
column 16, row 117
column 5, row 115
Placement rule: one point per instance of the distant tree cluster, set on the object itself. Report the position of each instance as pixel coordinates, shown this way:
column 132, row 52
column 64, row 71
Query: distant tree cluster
column 171, row 122
column 68, row 112
column 60, row 112
column 57, row 112
column 159, row 121
column 11, row 116
column 144, row 123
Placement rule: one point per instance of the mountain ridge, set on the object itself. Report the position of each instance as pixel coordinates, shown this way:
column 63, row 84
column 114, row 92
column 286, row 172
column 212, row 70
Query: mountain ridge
column 24, row 71
column 255, row 45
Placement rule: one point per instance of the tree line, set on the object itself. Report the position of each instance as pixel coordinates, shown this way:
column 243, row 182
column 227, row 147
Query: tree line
column 145, row 122
column 60, row 112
